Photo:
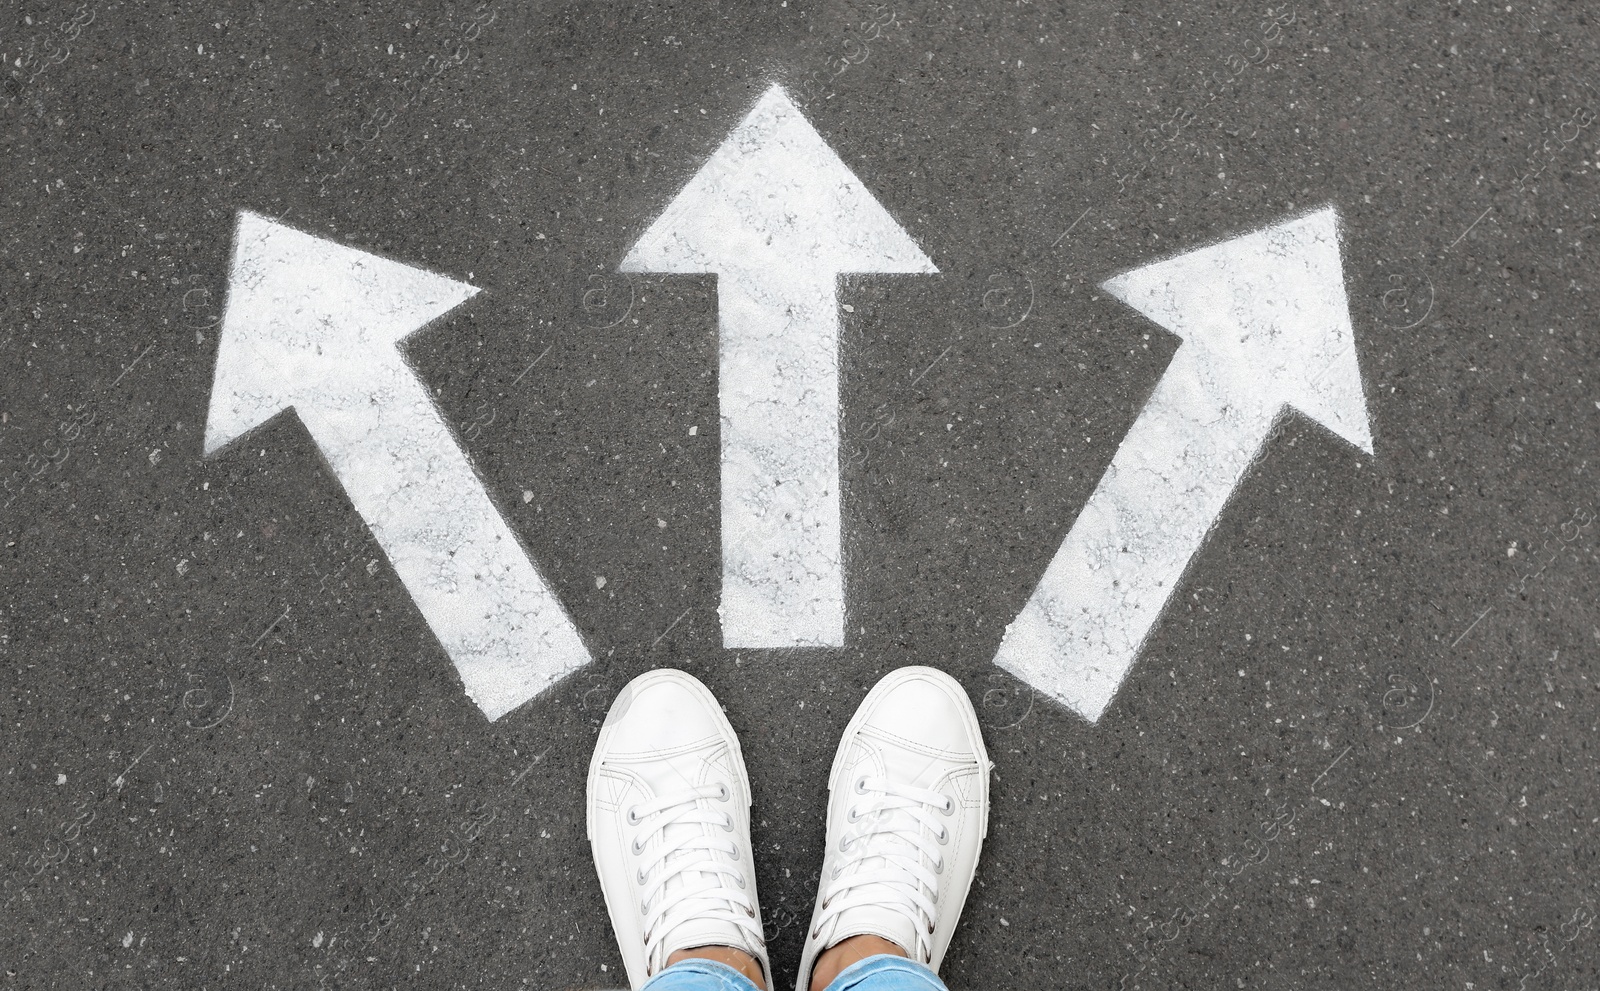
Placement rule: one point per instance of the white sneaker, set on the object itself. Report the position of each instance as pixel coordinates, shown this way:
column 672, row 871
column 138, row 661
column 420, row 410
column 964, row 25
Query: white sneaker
column 669, row 825
column 908, row 809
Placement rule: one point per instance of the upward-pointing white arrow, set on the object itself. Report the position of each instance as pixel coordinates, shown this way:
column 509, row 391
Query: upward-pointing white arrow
column 1265, row 324
column 778, row 217
column 315, row 326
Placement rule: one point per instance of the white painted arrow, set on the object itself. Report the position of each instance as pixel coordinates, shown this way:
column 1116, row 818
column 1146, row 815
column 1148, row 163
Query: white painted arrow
column 316, row 326
column 1265, row 324
column 778, row 217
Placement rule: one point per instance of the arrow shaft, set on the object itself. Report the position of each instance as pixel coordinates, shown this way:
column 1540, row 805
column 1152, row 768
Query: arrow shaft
column 777, row 215
column 782, row 572
column 470, row 577
column 1082, row 628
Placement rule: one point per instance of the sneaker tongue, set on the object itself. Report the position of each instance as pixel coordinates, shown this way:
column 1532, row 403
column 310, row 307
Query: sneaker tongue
column 707, row 932
column 911, row 767
column 891, row 923
column 695, row 930
column 701, row 931
column 884, row 923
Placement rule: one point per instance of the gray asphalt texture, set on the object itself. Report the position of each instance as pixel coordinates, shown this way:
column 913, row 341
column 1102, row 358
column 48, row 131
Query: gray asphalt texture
column 1359, row 749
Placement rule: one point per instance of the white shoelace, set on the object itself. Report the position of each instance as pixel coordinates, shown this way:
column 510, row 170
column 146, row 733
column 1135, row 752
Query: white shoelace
column 892, row 857
column 693, row 855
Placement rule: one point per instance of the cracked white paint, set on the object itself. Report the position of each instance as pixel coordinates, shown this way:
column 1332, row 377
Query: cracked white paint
column 316, row 326
column 1265, row 324
column 778, row 217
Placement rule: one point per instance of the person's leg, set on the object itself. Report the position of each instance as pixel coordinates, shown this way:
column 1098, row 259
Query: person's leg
column 739, row 960
column 669, row 826
column 848, row 952
column 907, row 812
column 700, row 974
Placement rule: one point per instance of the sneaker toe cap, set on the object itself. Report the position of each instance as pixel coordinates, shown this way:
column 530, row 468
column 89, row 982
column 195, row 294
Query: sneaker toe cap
column 662, row 713
column 928, row 710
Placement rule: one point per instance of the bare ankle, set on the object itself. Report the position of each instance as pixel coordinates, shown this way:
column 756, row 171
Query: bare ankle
column 833, row 961
column 739, row 960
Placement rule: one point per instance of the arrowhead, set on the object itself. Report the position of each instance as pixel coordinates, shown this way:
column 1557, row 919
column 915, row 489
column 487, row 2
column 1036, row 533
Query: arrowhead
column 1268, row 309
column 774, row 201
column 307, row 320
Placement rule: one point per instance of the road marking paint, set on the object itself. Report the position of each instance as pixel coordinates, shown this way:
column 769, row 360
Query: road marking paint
column 778, row 217
column 316, row 326
column 1265, row 324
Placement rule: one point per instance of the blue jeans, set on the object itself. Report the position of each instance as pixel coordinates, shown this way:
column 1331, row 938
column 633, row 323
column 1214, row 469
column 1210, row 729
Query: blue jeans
column 880, row 973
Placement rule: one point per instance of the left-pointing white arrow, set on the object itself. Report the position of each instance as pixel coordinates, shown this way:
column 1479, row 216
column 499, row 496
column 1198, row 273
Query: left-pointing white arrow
column 778, row 217
column 316, row 327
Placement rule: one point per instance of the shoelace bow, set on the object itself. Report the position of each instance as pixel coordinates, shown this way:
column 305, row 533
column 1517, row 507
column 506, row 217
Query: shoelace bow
column 687, row 850
column 900, row 829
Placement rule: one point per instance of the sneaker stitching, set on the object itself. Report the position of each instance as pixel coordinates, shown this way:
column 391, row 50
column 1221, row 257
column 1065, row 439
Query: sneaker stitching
column 651, row 756
column 953, row 756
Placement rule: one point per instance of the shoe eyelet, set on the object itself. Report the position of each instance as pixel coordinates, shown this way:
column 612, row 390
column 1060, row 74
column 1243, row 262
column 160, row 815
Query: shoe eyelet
column 726, row 794
column 944, row 834
column 639, row 876
column 852, row 817
column 930, row 927
column 844, row 844
column 637, row 848
column 644, row 910
column 949, row 805
column 939, row 867
column 861, row 785
column 633, row 815
column 739, row 879
column 727, row 823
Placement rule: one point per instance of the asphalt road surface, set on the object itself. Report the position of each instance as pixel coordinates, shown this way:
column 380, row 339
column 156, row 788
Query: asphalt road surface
column 1356, row 748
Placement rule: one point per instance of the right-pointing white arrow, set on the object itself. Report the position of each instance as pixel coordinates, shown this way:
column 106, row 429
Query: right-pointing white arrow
column 778, row 217
column 1265, row 324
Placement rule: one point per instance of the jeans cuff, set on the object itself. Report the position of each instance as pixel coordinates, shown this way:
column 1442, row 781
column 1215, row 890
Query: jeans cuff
column 911, row 973
column 680, row 975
